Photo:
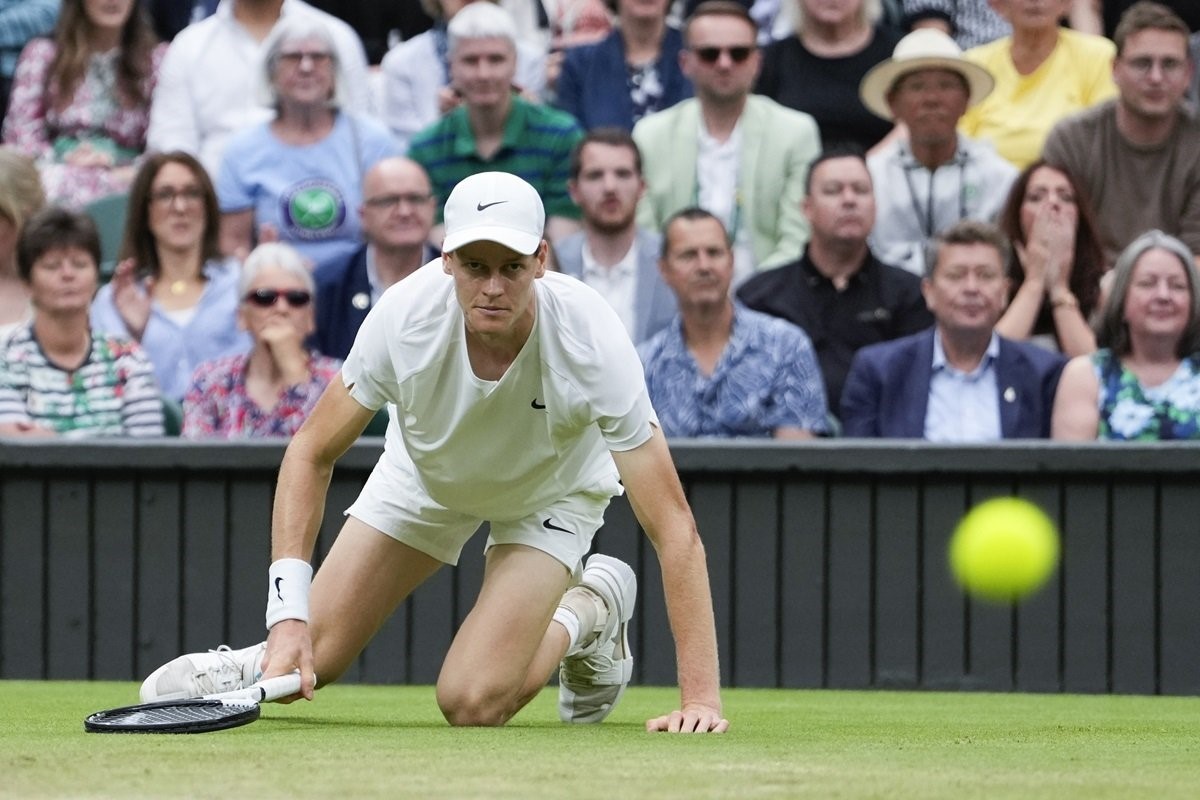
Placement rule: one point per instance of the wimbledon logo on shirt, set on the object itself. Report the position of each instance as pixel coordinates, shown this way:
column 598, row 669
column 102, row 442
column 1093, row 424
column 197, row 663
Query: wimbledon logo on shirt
column 312, row 209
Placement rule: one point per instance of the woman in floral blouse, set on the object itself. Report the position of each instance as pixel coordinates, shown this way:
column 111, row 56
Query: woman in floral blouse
column 1144, row 381
column 81, row 102
column 271, row 390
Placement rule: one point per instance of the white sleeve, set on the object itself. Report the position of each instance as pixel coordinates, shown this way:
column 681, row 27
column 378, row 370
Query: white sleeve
column 173, row 124
column 369, row 372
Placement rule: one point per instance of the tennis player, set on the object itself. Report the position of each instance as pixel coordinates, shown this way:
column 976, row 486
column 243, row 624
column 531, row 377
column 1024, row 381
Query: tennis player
column 517, row 398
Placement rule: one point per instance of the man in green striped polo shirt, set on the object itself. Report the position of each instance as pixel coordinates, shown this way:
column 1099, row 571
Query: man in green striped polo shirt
column 493, row 128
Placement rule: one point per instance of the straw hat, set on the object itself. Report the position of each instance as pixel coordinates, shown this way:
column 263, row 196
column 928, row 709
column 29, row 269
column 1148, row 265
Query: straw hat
column 924, row 48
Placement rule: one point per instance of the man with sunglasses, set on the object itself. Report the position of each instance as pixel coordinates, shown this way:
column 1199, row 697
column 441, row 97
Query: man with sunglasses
column 1138, row 156
column 740, row 156
column 396, row 215
column 516, row 398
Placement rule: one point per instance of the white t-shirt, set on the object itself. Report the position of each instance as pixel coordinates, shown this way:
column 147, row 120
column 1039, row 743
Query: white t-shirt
column 616, row 284
column 501, row 450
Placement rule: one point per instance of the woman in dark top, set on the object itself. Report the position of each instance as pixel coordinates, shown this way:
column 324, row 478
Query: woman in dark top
column 819, row 68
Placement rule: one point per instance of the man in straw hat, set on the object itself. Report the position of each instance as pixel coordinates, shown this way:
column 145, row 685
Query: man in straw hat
column 516, row 397
column 930, row 176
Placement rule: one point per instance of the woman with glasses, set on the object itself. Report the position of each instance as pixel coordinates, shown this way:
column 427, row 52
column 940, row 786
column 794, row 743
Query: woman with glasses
column 270, row 390
column 298, row 178
column 173, row 291
column 80, row 101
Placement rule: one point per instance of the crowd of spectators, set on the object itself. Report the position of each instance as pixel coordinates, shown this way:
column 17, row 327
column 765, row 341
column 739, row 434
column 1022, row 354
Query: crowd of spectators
column 955, row 221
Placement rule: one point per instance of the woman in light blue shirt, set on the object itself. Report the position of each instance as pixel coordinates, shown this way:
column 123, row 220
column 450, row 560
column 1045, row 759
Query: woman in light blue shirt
column 172, row 291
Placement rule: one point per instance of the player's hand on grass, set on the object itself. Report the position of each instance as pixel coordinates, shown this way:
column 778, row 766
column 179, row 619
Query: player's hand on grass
column 692, row 719
column 289, row 648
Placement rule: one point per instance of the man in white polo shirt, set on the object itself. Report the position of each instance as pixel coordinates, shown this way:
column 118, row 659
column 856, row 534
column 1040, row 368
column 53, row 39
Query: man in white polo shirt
column 516, row 398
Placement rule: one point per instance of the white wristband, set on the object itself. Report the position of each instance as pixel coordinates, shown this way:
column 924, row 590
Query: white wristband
column 287, row 593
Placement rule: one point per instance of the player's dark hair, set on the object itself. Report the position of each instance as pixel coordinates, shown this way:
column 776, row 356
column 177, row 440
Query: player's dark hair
column 56, row 228
column 846, row 150
column 691, row 213
column 616, row 137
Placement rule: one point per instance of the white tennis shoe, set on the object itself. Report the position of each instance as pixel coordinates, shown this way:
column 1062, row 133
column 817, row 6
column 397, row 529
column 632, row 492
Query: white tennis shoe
column 198, row 674
column 592, row 680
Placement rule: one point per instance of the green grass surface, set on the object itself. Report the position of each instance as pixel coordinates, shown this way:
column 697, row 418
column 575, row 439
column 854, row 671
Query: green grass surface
column 365, row 741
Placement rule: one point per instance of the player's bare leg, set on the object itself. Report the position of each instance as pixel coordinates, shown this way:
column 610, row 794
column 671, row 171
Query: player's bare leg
column 362, row 580
column 506, row 648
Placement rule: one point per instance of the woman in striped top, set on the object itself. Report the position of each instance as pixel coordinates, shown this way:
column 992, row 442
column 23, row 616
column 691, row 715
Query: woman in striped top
column 58, row 377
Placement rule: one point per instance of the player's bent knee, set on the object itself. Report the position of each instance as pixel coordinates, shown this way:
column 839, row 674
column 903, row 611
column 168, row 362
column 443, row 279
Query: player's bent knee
column 475, row 708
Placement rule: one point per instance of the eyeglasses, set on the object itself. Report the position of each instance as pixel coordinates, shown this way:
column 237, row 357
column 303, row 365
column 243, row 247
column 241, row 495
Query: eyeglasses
column 1143, row 65
column 389, row 201
column 710, row 55
column 266, row 298
column 167, row 195
column 318, row 58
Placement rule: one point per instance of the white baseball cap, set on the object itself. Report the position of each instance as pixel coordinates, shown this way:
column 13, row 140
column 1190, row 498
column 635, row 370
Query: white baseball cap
column 494, row 207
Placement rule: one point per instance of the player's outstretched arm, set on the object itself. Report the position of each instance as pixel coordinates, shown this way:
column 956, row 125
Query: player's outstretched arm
column 335, row 423
column 658, row 501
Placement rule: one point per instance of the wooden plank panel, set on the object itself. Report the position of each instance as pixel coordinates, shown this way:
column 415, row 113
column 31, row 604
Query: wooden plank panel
column 1179, row 597
column 22, row 578
column 712, row 506
column 897, row 584
column 851, row 621
column 1134, row 598
column 1085, row 588
column 990, row 625
column 115, row 555
column 1038, row 631
column 943, row 606
column 250, row 500
column 206, row 559
column 756, row 584
column 431, row 626
column 802, row 590
column 159, row 573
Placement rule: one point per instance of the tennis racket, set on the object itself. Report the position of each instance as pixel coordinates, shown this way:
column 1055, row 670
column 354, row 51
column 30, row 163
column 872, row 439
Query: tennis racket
column 214, row 712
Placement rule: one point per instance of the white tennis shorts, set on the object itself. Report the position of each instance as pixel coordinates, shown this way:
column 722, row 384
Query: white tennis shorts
column 397, row 505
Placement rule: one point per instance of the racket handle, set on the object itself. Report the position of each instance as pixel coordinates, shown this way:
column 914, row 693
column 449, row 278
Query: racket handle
column 265, row 690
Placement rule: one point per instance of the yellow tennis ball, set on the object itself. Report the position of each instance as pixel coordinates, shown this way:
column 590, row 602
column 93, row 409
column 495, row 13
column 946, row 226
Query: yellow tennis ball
column 1003, row 549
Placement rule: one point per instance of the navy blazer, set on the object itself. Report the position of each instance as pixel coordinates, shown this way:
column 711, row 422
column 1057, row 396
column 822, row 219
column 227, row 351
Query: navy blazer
column 887, row 390
column 343, row 300
column 655, row 305
column 594, row 83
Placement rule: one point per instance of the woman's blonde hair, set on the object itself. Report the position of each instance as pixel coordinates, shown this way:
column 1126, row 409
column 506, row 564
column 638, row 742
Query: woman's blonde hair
column 870, row 13
column 21, row 193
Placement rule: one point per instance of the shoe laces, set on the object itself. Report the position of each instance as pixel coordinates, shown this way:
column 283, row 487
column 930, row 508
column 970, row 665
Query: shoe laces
column 223, row 677
column 589, row 666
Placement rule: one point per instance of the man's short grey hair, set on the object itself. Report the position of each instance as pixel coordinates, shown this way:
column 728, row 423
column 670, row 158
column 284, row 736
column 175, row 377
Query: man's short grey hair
column 870, row 13
column 481, row 21
column 1111, row 330
column 290, row 29
column 274, row 254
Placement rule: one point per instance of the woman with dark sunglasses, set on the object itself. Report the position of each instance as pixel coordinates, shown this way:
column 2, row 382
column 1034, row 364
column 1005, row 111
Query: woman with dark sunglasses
column 271, row 390
column 172, row 291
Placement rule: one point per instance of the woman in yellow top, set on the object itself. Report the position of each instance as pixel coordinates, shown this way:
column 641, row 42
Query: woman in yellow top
column 1043, row 73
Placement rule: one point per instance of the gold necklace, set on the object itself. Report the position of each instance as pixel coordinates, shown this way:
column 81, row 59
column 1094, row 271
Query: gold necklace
column 178, row 287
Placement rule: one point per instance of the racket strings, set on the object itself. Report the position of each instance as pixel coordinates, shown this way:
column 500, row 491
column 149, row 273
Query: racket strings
column 180, row 714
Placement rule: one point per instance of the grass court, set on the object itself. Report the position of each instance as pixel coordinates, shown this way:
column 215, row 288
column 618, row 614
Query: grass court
column 390, row 741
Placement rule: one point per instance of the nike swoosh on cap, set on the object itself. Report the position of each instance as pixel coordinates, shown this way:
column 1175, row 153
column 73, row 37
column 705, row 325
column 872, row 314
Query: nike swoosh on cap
column 483, row 206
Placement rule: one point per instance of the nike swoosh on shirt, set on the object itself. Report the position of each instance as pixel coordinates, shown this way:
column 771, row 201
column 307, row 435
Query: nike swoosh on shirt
column 550, row 526
column 537, row 405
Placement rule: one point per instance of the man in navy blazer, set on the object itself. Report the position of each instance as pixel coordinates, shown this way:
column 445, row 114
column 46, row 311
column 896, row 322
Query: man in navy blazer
column 612, row 254
column 397, row 216
column 959, row 381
